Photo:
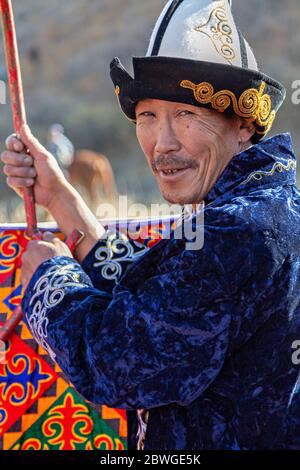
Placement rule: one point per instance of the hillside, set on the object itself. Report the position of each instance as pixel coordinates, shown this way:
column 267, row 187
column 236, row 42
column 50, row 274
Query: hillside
column 66, row 48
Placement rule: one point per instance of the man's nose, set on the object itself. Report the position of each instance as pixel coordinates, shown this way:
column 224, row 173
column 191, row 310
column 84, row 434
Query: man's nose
column 166, row 139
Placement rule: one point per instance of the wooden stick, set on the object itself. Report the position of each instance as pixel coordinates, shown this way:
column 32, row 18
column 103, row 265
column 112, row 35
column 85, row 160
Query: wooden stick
column 17, row 98
column 19, row 119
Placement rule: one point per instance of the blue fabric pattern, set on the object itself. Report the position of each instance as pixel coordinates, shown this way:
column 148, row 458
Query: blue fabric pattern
column 200, row 338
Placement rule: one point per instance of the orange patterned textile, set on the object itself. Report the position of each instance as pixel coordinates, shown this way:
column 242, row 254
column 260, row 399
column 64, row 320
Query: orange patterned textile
column 39, row 408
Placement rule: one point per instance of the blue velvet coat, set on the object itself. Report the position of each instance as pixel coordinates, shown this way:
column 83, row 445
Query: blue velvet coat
column 201, row 338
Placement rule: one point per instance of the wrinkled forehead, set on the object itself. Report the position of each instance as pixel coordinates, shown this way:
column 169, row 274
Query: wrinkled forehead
column 166, row 105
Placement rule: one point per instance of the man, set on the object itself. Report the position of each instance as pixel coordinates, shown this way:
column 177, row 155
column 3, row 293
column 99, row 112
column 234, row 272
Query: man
column 196, row 345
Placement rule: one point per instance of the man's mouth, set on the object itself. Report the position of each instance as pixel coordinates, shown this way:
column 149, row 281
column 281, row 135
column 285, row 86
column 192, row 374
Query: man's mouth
column 173, row 173
column 168, row 172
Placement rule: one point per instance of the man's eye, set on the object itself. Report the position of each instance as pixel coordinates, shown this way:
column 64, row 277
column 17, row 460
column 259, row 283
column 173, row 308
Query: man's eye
column 146, row 114
column 185, row 112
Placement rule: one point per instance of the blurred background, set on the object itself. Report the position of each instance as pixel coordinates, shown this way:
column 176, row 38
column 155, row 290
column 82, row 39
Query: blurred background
column 65, row 50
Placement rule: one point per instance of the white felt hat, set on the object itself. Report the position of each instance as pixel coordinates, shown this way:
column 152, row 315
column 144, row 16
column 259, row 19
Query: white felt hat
column 197, row 55
column 200, row 30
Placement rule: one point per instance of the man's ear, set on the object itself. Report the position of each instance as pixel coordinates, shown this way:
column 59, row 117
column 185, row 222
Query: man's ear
column 247, row 130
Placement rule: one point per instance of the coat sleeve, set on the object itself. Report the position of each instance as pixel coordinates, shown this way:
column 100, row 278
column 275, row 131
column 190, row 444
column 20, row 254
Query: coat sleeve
column 109, row 259
column 160, row 337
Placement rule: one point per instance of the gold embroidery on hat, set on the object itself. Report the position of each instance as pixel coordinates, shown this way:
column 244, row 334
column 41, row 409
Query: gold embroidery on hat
column 280, row 167
column 220, row 32
column 253, row 105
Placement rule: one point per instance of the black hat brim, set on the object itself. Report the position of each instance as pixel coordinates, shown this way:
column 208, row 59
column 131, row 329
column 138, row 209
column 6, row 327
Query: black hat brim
column 226, row 88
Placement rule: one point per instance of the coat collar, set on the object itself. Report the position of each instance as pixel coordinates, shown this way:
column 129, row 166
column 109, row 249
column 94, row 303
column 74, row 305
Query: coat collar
column 268, row 164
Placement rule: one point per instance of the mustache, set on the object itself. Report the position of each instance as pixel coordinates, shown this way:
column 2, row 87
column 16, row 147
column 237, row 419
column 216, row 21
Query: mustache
column 173, row 161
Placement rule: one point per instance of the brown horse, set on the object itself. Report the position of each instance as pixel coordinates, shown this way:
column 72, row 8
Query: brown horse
column 91, row 173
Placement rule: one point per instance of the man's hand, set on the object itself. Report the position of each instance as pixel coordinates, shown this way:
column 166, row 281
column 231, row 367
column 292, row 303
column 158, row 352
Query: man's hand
column 39, row 251
column 39, row 169
column 51, row 189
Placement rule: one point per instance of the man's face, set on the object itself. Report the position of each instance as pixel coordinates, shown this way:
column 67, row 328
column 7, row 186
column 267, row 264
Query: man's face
column 195, row 143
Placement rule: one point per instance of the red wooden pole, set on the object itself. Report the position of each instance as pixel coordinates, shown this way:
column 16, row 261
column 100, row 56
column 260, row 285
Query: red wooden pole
column 17, row 99
column 19, row 118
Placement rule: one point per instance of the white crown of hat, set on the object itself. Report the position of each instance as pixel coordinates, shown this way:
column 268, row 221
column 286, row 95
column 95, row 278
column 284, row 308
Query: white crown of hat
column 201, row 30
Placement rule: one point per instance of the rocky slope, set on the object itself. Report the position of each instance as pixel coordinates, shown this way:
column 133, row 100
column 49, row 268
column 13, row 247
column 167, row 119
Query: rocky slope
column 66, row 48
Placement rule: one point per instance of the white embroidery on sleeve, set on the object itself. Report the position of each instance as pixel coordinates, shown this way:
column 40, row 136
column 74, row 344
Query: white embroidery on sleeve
column 49, row 291
column 118, row 249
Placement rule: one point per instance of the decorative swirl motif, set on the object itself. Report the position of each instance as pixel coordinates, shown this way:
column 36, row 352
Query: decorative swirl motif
column 51, row 286
column 9, row 252
column 3, row 417
column 219, row 32
column 118, row 250
column 31, row 444
column 280, row 167
column 253, row 104
column 22, row 379
column 105, row 442
column 68, row 424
